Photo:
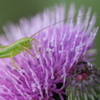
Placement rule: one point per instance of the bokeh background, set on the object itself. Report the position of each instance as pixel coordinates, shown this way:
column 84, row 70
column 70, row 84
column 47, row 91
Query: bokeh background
column 13, row 10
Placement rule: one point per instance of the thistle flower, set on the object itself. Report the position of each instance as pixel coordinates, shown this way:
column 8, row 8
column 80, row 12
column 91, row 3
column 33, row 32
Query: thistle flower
column 62, row 47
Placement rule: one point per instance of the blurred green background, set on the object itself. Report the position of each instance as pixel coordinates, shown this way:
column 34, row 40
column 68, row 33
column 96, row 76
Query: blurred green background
column 13, row 10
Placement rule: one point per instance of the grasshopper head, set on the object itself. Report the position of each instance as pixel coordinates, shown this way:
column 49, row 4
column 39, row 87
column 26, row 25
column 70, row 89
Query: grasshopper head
column 33, row 39
column 25, row 42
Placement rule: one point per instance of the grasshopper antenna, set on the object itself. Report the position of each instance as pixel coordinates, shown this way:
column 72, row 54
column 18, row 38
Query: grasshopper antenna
column 47, row 27
column 54, row 24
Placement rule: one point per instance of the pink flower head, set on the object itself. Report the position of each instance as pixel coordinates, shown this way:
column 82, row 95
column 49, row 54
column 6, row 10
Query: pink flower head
column 62, row 47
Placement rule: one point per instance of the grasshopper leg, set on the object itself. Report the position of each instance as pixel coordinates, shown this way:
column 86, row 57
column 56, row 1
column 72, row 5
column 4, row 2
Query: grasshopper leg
column 28, row 51
column 13, row 62
column 35, row 45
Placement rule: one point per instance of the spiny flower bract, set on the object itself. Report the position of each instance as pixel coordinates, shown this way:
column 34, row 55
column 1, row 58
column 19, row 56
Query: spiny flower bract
column 61, row 47
column 84, row 83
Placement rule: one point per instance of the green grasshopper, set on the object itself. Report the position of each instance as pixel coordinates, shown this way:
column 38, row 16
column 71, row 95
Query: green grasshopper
column 23, row 44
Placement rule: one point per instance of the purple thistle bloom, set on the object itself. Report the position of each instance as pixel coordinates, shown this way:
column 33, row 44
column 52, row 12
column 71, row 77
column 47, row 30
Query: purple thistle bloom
column 62, row 47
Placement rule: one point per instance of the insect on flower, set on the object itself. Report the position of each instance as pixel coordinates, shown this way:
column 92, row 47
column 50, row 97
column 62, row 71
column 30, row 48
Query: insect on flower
column 58, row 72
column 23, row 44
